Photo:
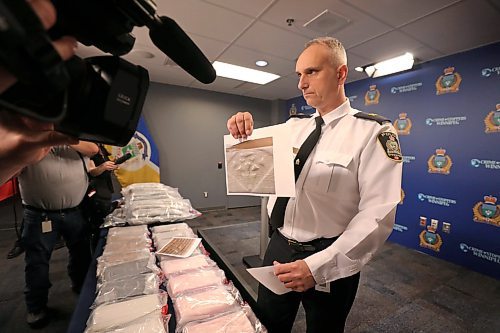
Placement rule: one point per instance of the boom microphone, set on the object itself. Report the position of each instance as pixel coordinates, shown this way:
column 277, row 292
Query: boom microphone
column 181, row 49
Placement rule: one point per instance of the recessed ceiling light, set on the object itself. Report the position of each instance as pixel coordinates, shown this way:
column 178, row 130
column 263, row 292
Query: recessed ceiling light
column 261, row 63
column 358, row 69
column 243, row 73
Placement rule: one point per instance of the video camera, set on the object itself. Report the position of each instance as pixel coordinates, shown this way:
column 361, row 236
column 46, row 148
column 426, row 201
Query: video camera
column 96, row 99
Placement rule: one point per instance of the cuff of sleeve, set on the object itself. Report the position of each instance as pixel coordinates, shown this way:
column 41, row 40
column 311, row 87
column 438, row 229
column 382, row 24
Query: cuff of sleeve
column 326, row 268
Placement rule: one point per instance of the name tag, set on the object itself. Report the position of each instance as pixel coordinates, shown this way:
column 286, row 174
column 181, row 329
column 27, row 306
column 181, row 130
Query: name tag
column 46, row 226
column 325, row 287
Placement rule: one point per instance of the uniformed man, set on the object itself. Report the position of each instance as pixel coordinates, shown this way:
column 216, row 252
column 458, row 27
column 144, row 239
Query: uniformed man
column 347, row 190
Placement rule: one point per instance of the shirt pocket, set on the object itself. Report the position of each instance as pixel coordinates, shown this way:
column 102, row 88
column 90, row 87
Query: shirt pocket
column 329, row 172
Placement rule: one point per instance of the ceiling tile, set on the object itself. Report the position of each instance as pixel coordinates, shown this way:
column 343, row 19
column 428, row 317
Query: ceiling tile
column 246, row 57
column 461, row 27
column 360, row 28
column 269, row 39
column 283, row 88
column 251, row 8
column 204, row 19
column 398, row 12
column 387, row 46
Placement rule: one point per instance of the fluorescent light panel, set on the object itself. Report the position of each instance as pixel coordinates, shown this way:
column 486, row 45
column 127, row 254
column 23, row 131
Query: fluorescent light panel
column 243, row 73
column 391, row 66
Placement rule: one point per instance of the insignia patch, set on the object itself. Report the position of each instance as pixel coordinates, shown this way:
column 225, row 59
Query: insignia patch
column 390, row 144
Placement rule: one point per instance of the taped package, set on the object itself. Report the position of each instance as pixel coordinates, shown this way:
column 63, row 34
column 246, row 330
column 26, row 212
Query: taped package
column 172, row 265
column 178, row 284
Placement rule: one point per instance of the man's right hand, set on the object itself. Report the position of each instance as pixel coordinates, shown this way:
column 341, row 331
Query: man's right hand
column 240, row 125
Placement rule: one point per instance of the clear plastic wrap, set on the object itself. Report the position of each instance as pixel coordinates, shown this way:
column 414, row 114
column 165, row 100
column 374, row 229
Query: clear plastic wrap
column 107, row 317
column 172, row 265
column 141, row 188
column 204, row 303
column 166, row 211
column 240, row 321
column 169, row 227
column 117, row 290
column 127, row 245
column 137, row 230
column 116, row 219
column 114, row 271
column 178, row 284
column 148, row 324
column 118, row 258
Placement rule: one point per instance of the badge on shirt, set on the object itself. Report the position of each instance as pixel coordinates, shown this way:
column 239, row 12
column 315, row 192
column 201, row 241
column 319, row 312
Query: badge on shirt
column 324, row 287
column 46, row 226
column 390, row 144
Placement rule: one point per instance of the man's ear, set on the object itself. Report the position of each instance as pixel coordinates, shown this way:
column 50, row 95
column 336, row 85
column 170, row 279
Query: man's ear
column 342, row 73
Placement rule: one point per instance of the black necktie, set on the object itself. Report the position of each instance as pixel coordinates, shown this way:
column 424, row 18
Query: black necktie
column 278, row 213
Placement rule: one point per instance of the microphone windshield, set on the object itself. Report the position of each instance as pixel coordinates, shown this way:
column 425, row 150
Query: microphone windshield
column 176, row 44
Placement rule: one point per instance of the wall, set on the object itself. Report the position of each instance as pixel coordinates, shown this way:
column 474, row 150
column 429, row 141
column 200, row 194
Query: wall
column 188, row 126
column 450, row 139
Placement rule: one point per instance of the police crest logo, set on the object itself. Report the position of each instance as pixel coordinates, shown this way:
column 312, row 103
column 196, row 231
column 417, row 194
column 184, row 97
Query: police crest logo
column 439, row 162
column 403, row 124
column 293, row 110
column 372, row 96
column 487, row 211
column 429, row 238
column 449, row 82
column 391, row 147
column 492, row 121
column 402, row 197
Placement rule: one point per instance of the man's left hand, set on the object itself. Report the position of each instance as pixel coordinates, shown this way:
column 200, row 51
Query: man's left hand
column 295, row 275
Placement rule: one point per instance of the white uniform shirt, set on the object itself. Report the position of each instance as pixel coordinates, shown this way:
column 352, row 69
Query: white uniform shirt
column 349, row 187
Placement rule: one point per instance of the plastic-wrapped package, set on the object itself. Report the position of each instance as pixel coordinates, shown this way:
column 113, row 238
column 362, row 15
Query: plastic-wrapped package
column 168, row 211
column 178, row 284
column 171, row 265
column 203, row 304
column 121, row 270
column 148, row 324
column 143, row 187
column 117, row 290
column 117, row 218
column 152, row 323
column 169, row 227
column 119, row 258
column 115, row 315
column 138, row 230
column 127, row 245
column 240, row 321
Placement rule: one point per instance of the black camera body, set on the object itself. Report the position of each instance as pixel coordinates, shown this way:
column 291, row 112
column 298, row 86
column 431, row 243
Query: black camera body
column 95, row 99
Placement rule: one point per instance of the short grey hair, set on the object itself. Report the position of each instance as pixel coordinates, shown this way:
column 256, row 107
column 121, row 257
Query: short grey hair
column 339, row 56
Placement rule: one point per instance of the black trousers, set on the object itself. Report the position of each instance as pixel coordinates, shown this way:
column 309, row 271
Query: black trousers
column 325, row 312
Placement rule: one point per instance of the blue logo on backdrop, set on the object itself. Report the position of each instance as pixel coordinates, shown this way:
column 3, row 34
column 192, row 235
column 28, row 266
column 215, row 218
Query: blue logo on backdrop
column 436, row 200
column 449, row 121
column 487, row 72
column 487, row 164
column 480, row 253
column 404, row 89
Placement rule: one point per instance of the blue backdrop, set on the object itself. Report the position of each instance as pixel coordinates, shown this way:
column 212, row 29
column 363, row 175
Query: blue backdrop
column 447, row 113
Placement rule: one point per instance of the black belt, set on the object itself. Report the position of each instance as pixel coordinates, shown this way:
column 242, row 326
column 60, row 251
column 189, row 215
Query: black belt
column 315, row 245
column 60, row 211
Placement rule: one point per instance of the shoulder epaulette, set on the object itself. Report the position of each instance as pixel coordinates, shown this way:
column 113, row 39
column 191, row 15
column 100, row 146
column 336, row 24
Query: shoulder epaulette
column 300, row 115
column 372, row 116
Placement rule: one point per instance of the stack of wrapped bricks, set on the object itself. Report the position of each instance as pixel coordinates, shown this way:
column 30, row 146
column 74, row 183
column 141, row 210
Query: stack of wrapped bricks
column 134, row 284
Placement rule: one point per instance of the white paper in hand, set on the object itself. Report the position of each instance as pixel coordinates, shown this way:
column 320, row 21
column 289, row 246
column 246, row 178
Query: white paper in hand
column 265, row 275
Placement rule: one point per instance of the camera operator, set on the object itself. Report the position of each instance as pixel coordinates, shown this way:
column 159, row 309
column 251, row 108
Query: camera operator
column 26, row 141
